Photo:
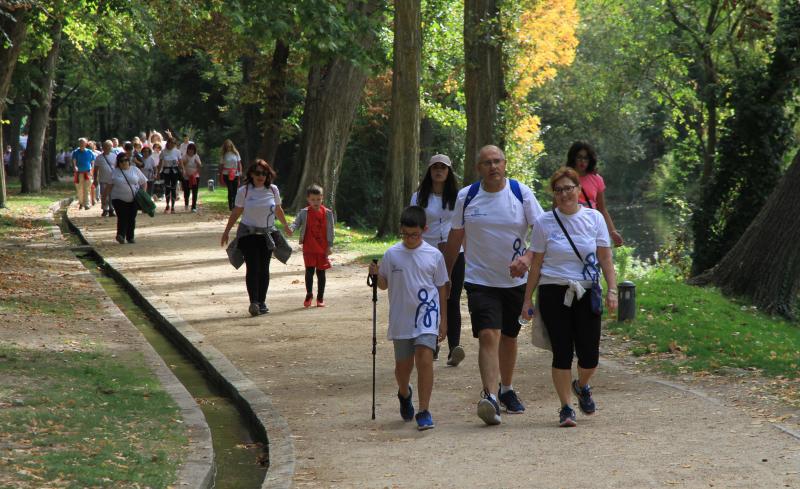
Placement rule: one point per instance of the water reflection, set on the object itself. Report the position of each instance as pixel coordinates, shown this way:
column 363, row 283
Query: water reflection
column 645, row 228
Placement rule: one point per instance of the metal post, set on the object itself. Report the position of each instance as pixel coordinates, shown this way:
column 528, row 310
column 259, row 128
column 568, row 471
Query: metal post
column 627, row 301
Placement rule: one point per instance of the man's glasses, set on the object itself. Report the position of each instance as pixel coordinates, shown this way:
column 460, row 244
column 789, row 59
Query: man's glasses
column 565, row 189
column 410, row 235
column 495, row 162
column 259, row 174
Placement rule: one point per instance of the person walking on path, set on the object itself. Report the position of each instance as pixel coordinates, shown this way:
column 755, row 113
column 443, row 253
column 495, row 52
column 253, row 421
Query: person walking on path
column 82, row 162
column 437, row 195
column 230, row 168
column 569, row 244
column 104, row 167
column 125, row 182
column 492, row 218
column 583, row 158
column 191, row 164
column 258, row 202
column 416, row 276
column 169, row 170
column 149, row 168
column 316, row 223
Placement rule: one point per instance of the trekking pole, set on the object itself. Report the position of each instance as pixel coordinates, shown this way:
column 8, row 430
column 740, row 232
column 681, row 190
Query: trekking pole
column 372, row 281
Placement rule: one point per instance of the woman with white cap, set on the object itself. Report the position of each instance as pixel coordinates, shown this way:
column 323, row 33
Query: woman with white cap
column 437, row 195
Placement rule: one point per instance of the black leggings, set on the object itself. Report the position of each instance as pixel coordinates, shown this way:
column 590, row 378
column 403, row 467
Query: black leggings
column 570, row 328
column 190, row 189
column 454, row 303
column 233, row 185
column 256, row 257
column 170, row 186
column 126, row 217
column 310, row 283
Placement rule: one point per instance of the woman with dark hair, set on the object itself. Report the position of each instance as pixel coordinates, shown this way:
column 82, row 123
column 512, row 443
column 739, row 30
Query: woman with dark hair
column 169, row 169
column 258, row 202
column 191, row 164
column 583, row 158
column 126, row 179
column 437, row 194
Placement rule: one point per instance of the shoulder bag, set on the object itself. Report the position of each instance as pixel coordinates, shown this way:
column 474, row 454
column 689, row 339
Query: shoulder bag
column 142, row 198
column 596, row 292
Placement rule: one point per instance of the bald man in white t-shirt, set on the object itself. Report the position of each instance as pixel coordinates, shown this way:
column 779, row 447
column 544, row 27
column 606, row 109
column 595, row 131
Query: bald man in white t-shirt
column 493, row 218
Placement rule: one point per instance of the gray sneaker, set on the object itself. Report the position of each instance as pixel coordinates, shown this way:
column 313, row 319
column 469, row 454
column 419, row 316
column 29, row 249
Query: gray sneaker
column 488, row 410
column 253, row 309
column 456, row 356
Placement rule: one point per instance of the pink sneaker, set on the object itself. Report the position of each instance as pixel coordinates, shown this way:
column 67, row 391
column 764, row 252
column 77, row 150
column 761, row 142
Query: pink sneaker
column 320, row 303
column 307, row 302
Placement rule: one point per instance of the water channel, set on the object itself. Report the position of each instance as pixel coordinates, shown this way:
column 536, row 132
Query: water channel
column 645, row 228
column 237, row 454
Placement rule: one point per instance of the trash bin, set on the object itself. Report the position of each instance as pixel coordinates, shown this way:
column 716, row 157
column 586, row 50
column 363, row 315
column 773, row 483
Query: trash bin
column 627, row 301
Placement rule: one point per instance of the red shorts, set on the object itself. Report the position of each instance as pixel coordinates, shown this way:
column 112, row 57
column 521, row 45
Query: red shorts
column 317, row 260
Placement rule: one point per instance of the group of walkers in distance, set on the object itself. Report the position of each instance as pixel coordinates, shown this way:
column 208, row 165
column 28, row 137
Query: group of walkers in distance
column 113, row 174
column 475, row 239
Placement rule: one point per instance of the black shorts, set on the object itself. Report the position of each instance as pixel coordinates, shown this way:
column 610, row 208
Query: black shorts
column 495, row 308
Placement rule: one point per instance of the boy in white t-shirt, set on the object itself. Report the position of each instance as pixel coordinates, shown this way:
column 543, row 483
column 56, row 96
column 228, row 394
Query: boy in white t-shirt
column 416, row 276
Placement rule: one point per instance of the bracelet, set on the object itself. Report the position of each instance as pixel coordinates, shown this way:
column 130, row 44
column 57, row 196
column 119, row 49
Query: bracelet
column 612, row 291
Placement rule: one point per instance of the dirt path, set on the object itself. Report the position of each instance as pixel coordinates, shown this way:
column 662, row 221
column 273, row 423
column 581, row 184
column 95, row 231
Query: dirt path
column 316, row 366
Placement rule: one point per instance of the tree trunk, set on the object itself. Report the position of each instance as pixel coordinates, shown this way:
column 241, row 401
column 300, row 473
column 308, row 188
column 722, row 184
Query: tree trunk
column 14, row 25
column 764, row 265
column 483, row 79
column 403, row 162
column 16, row 113
column 250, row 145
column 32, row 167
column 275, row 106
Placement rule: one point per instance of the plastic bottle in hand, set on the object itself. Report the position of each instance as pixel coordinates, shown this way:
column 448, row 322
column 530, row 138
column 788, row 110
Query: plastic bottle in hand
column 525, row 322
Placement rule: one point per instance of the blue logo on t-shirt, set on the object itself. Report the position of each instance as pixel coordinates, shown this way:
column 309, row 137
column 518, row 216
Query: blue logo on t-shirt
column 590, row 269
column 430, row 317
column 519, row 250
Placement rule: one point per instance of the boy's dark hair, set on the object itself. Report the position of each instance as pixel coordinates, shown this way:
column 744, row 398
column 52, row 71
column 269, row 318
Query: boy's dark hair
column 413, row 216
column 313, row 190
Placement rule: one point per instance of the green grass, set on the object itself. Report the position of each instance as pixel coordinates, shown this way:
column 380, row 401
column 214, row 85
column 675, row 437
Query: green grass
column 86, row 418
column 708, row 331
column 216, row 201
column 25, row 211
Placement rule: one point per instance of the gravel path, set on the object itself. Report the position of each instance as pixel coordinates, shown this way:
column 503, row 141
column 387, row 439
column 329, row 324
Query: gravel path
column 316, row 366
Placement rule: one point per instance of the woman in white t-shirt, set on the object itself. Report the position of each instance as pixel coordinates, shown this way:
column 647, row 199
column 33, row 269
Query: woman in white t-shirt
column 169, row 169
column 564, row 281
column 230, row 168
column 191, row 165
column 125, row 182
column 437, row 194
column 149, row 168
column 258, row 202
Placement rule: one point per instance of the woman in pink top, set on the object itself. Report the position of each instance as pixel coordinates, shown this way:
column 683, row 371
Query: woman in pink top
column 583, row 158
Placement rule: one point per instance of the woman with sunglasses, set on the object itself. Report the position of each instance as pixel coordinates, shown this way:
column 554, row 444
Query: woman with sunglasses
column 437, row 194
column 583, row 158
column 570, row 246
column 125, row 182
column 258, row 202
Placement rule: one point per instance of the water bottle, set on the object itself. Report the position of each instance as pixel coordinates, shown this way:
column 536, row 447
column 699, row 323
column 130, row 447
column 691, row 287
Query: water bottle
column 525, row 322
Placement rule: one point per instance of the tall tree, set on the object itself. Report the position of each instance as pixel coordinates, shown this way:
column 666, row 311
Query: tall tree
column 753, row 145
column 32, row 165
column 764, row 265
column 404, row 123
column 484, row 85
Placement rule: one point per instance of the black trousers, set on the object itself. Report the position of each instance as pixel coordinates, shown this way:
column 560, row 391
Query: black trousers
column 310, row 283
column 454, row 303
column 256, row 258
column 187, row 189
column 571, row 328
column 233, row 185
column 170, row 187
column 126, row 217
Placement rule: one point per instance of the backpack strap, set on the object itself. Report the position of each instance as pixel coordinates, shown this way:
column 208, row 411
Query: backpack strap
column 473, row 191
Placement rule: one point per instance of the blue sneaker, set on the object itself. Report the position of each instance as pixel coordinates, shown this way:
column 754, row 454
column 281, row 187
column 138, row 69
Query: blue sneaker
column 566, row 417
column 406, row 406
column 510, row 402
column 424, row 420
column 488, row 409
column 585, row 401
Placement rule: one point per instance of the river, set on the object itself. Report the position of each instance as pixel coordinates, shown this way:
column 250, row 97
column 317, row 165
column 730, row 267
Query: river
column 645, row 228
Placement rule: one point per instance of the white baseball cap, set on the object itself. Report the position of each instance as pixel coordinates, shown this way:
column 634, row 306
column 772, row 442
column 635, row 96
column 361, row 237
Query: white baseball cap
column 440, row 159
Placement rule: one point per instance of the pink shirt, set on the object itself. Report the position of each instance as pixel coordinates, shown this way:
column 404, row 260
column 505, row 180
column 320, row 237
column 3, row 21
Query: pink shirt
column 592, row 184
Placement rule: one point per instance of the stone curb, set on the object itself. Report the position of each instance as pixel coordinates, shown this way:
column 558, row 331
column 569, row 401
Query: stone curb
column 264, row 418
column 197, row 469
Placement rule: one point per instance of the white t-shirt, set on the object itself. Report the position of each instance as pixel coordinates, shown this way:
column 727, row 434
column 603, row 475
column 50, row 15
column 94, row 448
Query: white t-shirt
column 438, row 219
column 169, row 158
column 588, row 230
column 414, row 276
column 105, row 165
column 190, row 167
column 149, row 168
column 259, row 205
column 230, row 161
column 495, row 233
column 124, row 189
column 183, row 146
